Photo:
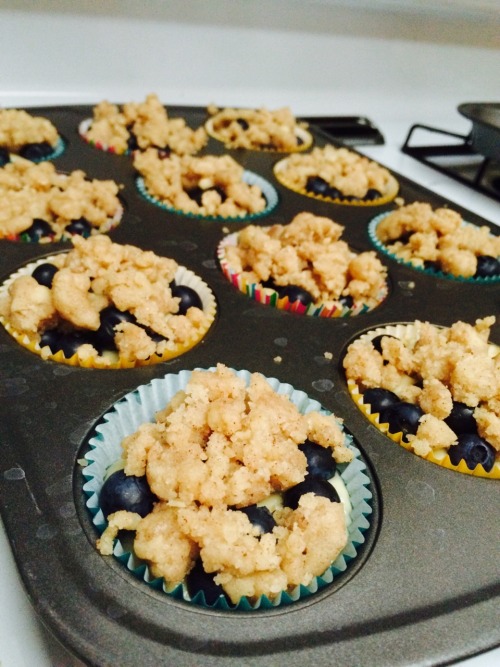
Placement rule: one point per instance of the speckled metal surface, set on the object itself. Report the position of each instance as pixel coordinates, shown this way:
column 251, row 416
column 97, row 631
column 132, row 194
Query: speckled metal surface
column 426, row 586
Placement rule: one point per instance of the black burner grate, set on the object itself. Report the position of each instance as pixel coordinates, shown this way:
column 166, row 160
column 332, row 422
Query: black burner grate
column 456, row 158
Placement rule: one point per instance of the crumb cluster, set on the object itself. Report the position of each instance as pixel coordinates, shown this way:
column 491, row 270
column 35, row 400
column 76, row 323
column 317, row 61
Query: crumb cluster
column 219, row 446
column 257, row 129
column 209, row 186
column 420, row 235
column 309, row 253
column 94, row 275
column 350, row 173
column 141, row 125
column 432, row 367
column 32, row 191
column 19, row 128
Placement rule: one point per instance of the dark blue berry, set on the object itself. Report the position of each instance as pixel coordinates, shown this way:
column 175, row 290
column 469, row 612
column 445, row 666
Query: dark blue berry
column 347, row 301
column 189, row 298
column 377, row 342
column 320, row 461
column 4, row 156
column 432, row 265
column 126, row 492
column 260, row 517
column 319, row 487
column 243, row 123
column 44, row 274
column 334, row 193
column 36, row 151
column 380, row 399
column 295, row 293
column 52, row 338
column 461, row 419
column 198, row 580
column 81, row 226
column 39, row 229
column 196, row 194
column 71, row 341
column 473, row 450
column 317, row 185
column 487, row 267
column 110, row 318
column 132, row 144
column 372, row 194
column 402, row 417
column 68, row 342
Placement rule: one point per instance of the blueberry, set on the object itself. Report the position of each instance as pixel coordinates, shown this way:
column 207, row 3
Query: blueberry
column 242, row 123
column 487, row 267
column 461, row 419
column 71, row 341
column 334, row 193
column 39, row 229
column 319, row 487
column 380, row 399
column 126, row 492
column 271, row 284
column 51, row 337
column 4, row 156
column 189, row 298
column 198, row 580
column 295, row 293
column 320, row 461
column 81, row 226
column 260, row 517
column 473, row 450
column 347, row 301
column 36, row 151
column 132, row 144
column 372, row 194
column 377, row 342
column 195, row 194
column 68, row 342
column 403, row 417
column 110, row 317
column 44, row 274
column 317, row 185
column 432, row 265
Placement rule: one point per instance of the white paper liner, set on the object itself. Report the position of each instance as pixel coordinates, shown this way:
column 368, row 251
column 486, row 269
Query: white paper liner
column 249, row 177
column 387, row 196
column 183, row 276
column 408, row 333
column 300, row 133
column 270, row 297
column 140, row 406
column 372, row 233
column 84, row 127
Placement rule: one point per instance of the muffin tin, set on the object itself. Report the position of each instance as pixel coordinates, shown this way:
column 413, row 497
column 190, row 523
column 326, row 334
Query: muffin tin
column 425, row 586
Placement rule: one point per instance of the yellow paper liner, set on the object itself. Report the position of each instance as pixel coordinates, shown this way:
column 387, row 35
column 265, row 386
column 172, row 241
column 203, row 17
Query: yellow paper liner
column 391, row 191
column 439, row 456
column 300, row 132
column 112, row 361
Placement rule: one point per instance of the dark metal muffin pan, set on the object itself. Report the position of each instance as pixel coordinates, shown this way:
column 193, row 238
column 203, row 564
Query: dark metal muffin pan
column 425, row 589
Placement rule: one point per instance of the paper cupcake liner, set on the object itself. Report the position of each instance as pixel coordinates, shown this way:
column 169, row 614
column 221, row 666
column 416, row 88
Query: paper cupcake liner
column 372, row 232
column 300, row 133
column 183, row 276
column 249, row 177
column 270, row 297
column 140, row 406
column 389, row 195
column 439, row 456
column 83, row 129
